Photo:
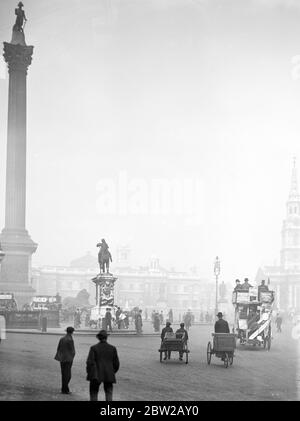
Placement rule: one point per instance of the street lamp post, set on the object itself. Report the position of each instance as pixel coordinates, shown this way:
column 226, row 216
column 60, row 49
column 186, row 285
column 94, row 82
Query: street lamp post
column 217, row 270
column 2, row 254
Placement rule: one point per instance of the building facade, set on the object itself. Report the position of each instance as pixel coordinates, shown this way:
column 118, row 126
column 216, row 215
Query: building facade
column 151, row 287
column 285, row 278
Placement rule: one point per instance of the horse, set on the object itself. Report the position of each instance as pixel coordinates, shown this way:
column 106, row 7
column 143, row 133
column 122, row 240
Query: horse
column 104, row 257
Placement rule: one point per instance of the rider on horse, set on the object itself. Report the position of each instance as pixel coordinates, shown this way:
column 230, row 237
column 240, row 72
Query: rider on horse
column 104, row 256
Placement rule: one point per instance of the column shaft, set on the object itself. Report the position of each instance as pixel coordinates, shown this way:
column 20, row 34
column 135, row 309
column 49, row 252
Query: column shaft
column 15, row 210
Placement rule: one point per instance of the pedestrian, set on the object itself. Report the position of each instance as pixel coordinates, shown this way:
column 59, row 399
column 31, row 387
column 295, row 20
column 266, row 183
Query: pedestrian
column 153, row 316
column 183, row 335
column 77, row 318
column 102, row 364
column 188, row 320
column 118, row 314
column 65, row 355
column 161, row 317
column 87, row 320
column 156, row 322
column 126, row 320
column 170, row 315
column 278, row 322
column 108, row 318
column 166, row 329
column 2, row 328
column 138, row 322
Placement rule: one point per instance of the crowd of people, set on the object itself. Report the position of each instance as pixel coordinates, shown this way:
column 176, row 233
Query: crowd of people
column 117, row 318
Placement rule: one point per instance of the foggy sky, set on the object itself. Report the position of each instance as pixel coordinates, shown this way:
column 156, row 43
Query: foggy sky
column 167, row 89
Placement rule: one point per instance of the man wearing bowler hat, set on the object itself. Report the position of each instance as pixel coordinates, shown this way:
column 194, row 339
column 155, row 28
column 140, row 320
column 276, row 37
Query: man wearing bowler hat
column 101, row 365
column 221, row 326
column 65, row 355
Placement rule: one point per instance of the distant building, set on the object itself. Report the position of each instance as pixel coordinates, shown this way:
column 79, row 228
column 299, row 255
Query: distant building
column 285, row 278
column 151, row 287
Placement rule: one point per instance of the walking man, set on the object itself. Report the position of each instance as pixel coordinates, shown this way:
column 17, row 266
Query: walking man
column 108, row 318
column 278, row 322
column 65, row 355
column 183, row 335
column 101, row 365
column 138, row 322
column 162, row 336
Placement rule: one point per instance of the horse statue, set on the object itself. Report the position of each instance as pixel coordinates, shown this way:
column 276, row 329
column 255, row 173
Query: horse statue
column 104, row 257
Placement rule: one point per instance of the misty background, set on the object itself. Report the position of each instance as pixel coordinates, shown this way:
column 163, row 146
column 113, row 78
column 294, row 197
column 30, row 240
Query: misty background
column 206, row 90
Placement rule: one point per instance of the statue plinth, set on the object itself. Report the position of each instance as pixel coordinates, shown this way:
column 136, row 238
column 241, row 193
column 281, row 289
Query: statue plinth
column 104, row 290
column 18, row 37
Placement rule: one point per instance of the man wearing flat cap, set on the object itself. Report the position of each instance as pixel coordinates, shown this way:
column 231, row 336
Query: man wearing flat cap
column 101, row 366
column 65, row 355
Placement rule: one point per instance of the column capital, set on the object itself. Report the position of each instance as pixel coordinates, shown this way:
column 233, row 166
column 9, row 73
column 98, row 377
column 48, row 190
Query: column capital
column 18, row 57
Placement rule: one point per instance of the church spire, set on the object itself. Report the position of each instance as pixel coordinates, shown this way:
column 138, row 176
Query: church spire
column 294, row 192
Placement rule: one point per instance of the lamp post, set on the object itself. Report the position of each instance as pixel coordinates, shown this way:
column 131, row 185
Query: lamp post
column 217, row 270
column 2, row 254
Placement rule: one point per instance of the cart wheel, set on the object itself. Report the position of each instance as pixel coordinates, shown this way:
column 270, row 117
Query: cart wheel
column 226, row 360
column 209, row 353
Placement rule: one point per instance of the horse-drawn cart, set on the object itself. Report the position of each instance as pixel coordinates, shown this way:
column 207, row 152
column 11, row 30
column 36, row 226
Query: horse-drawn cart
column 174, row 342
column 223, row 347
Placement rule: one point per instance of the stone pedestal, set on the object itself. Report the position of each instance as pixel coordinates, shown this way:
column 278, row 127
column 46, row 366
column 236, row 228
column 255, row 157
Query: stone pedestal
column 15, row 240
column 105, row 284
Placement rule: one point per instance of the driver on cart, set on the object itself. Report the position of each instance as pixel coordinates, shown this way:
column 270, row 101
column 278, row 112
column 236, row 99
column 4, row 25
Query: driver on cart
column 221, row 326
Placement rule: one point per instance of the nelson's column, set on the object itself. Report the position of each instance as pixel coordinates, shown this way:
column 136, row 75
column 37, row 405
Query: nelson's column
column 15, row 240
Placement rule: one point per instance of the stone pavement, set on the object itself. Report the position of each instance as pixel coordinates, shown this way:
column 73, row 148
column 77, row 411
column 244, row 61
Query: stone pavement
column 29, row 372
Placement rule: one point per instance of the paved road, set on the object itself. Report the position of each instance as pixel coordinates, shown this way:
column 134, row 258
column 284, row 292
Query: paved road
column 29, row 372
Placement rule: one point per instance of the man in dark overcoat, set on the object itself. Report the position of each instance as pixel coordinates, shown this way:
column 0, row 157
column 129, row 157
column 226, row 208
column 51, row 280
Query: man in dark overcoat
column 182, row 334
column 101, row 365
column 221, row 326
column 108, row 319
column 165, row 330
column 65, row 355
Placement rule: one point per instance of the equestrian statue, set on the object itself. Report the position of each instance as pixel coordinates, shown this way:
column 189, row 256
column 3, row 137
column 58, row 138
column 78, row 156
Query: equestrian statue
column 104, row 257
